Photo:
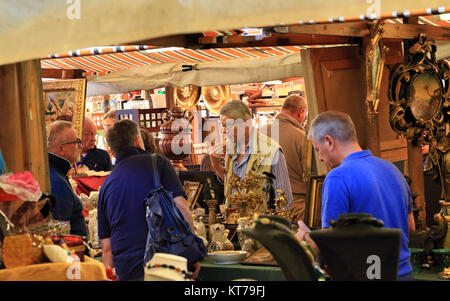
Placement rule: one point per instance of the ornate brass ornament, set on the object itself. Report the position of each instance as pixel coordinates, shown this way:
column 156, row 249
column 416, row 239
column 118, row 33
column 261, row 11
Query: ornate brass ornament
column 186, row 97
column 215, row 97
column 419, row 101
column 374, row 67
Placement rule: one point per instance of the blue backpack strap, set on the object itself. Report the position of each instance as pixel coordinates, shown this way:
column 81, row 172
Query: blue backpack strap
column 156, row 179
column 168, row 207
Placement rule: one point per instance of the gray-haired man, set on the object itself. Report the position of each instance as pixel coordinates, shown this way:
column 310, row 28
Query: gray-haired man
column 248, row 150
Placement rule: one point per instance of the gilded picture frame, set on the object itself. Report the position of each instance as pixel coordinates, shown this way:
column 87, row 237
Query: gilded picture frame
column 65, row 100
column 313, row 206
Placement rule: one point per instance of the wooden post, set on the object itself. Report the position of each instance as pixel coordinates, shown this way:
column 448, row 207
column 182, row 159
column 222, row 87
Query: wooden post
column 415, row 169
column 170, row 101
column 23, row 137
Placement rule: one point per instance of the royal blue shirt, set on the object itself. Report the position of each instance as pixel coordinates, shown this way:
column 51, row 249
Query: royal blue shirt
column 364, row 183
column 68, row 206
column 121, row 208
column 97, row 159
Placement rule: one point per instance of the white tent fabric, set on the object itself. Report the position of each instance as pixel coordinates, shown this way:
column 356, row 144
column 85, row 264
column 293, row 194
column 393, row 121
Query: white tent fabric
column 31, row 29
column 204, row 74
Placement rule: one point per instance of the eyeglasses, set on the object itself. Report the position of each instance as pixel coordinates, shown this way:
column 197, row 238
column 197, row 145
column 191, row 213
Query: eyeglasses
column 78, row 141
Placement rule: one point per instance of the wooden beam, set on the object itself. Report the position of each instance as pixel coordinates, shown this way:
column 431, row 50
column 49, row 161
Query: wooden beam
column 168, row 41
column 360, row 29
column 351, row 29
column 411, row 31
column 275, row 39
column 62, row 73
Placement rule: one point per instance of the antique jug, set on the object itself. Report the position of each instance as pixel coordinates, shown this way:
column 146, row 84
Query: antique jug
column 176, row 142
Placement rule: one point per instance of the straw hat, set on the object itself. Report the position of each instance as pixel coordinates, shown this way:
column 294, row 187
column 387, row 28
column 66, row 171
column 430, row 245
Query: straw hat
column 215, row 97
column 166, row 267
column 186, row 97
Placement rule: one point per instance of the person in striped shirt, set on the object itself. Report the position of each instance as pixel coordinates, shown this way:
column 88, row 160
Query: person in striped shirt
column 248, row 150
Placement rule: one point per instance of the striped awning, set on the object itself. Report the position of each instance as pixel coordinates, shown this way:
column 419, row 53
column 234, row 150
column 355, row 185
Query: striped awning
column 426, row 16
column 102, row 64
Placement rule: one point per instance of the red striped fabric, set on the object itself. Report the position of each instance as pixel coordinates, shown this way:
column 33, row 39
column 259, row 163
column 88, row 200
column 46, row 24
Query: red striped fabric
column 101, row 64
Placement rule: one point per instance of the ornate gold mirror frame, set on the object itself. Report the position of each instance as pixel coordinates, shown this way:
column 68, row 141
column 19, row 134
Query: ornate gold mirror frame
column 419, row 101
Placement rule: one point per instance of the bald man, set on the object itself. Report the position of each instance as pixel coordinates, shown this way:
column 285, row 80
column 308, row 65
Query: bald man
column 292, row 138
column 64, row 150
column 92, row 157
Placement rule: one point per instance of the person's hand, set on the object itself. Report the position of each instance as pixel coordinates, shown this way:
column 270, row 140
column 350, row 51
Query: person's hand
column 196, row 270
column 217, row 150
column 215, row 155
column 302, row 230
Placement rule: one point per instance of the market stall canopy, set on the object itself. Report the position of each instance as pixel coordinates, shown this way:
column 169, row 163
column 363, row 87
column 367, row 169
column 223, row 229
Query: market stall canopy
column 184, row 71
column 52, row 26
column 127, row 71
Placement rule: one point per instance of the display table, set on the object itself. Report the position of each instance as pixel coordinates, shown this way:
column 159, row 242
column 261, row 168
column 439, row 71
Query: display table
column 89, row 270
column 228, row 272
column 87, row 184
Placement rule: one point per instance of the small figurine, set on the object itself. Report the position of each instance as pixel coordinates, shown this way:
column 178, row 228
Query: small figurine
column 200, row 229
column 220, row 237
column 269, row 191
column 93, row 229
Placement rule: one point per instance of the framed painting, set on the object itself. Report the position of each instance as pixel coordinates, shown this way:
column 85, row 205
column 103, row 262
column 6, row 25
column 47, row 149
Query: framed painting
column 192, row 190
column 65, row 100
column 313, row 206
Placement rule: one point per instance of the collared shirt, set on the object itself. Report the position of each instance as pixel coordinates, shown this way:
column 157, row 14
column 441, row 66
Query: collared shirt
column 278, row 169
column 121, row 209
column 68, row 206
column 97, row 159
column 363, row 183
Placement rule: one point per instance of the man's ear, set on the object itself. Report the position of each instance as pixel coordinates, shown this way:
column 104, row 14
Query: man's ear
column 329, row 142
column 138, row 142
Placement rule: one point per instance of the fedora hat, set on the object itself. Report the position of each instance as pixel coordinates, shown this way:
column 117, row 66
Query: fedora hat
column 186, row 97
column 166, row 267
column 215, row 97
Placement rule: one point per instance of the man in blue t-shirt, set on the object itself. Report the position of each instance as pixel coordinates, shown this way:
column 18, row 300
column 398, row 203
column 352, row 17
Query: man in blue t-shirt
column 122, row 225
column 360, row 182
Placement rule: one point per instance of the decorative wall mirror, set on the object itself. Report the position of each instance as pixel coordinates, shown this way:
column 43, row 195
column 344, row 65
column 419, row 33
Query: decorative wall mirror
column 419, row 101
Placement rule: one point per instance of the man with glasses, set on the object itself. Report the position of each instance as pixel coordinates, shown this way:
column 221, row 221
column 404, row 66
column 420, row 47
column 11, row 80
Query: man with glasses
column 64, row 150
column 93, row 157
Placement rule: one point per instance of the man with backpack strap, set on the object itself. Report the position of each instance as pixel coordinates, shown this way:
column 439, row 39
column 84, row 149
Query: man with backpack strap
column 121, row 210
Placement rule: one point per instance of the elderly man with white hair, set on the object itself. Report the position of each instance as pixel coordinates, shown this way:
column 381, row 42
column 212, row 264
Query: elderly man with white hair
column 249, row 151
column 93, row 157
